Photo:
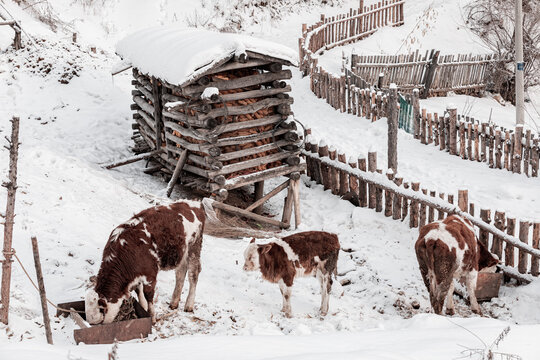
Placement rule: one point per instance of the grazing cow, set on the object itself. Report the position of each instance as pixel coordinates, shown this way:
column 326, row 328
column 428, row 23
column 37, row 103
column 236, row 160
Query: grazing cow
column 159, row 238
column 311, row 253
column 446, row 250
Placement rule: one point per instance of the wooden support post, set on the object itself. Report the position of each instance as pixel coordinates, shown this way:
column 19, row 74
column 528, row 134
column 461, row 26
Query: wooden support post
column 527, row 153
column 372, row 166
column 177, row 170
column 133, row 159
column 288, row 207
column 516, row 158
column 7, row 252
column 452, row 111
column 430, row 73
column 498, row 150
column 535, row 244
column 353, row 180
column 296, row 202
column 396, row 200
column 260, row 201
column 483, row 142
column 423, row 127
column 43, row 295
column 524, row 237
column 485, row 215
column 258, row 194
column 393, row 129
column 158, row 111
column 316, row 165
column 509, row 249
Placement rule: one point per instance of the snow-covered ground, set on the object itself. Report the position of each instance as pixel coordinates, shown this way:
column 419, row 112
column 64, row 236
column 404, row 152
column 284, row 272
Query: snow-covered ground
column 71, row 204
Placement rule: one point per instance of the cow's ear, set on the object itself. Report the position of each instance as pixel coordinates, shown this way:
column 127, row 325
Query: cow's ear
column 252, row 241
column 265, row 248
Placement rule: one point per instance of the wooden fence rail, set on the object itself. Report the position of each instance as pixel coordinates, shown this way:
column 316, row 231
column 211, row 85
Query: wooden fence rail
column 399, row 199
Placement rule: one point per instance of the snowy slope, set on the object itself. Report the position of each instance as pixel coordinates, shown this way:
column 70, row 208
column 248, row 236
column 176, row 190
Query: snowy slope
column 71, row 204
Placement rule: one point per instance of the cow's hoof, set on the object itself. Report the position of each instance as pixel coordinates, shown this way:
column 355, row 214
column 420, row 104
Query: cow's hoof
column 188, row 309
column 323, row 313
column 173, row 306
column 478, row 312
column 450, row 312
column 287, row 314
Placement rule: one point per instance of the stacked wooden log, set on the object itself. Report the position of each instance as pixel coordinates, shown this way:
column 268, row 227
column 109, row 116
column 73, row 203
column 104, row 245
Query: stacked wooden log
column 234, row 121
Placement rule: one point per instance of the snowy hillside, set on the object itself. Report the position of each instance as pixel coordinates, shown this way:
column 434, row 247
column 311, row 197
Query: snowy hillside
column 75, row 117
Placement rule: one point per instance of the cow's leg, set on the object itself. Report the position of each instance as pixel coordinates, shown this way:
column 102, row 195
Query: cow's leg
column 181, row 271
column 142, row 298
column 148, row 291
column 470, row 280
column 450, row 300
column 194, row 268
column 286, row 292
column 326, row 285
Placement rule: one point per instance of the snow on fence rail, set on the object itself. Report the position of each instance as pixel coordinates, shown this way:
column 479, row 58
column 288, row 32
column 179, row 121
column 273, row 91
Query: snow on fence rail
column 435, row 75
column 364, row 184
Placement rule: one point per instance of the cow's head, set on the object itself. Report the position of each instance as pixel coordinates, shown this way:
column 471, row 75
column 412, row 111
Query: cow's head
column 252, row 253
column 487, row 261
column 99, row 310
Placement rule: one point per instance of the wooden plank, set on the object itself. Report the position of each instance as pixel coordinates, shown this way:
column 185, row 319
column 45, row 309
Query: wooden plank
column 260, row 201
column 176, row 174
column 240, row 181
column 249, row 215
column 243, row 82
column 228, row 169
column 246, row 109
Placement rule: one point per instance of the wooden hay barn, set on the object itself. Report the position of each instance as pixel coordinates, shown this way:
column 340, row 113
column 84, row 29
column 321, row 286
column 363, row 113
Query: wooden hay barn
column 214, row 110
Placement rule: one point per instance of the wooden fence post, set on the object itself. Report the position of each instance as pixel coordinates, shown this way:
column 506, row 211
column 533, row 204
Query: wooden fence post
column 483, row 236
column 509, row 249
column 535, row 244
column 422, row 217
column 334, row 174
column 497, row 245
column 378, row 196
column 404, row 204
column 388, row 200
column 463, row 200
column 343, row 176
column 42, row 293
column 416, row 112
column 396, row 201
column 452, row 111
column 372, row 166
column 431, row 213
column 441, row 213
column 325, row 171
column 413, row 220
column 11, row 187
column 524, row 237
column 362, row 185
column 430, row 73
column 393, row 128
column 516, row 158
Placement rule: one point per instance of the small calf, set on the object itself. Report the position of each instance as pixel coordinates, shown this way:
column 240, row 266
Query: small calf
column 448, row 250
column 160, row 238
column 311, row 253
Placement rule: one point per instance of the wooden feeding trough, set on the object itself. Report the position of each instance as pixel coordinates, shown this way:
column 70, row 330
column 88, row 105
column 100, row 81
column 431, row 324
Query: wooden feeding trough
column 107, row 333
column 214, row 111
column 487, row 286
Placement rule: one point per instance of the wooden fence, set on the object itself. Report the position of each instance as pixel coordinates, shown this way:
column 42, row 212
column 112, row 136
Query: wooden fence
column 363, row 183
column 434, row 74
column 17, row 41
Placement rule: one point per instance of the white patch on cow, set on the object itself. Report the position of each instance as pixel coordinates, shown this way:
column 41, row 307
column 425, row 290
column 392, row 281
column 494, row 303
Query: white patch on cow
column 145, row 230
column 93, row 315
column 116, row 233
column 133, row 221
column 154, row 254
column 123, row 242
column 191, row 228
column 144, row 241
column 446, row 237
column 251, row 258
column 291, row 255
column 109, row 257
column 112, row 310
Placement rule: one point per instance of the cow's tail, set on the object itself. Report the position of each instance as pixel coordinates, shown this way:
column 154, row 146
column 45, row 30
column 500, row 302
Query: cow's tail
column 230, row 227
column 441, row 267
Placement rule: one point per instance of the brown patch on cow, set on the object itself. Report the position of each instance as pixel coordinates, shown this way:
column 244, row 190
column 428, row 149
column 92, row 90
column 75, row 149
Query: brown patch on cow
column 275, row 264
column 310, row 244
column 485, row 258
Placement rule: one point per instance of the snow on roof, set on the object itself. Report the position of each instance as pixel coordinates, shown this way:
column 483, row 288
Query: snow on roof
column 178, row 55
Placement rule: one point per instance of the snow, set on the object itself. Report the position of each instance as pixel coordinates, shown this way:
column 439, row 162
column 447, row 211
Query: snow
column 209, row 92
column 66, row 198
column 185, row 54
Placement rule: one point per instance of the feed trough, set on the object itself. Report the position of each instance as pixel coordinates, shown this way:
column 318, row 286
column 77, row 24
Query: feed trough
column 108, row 333
column 487, row 286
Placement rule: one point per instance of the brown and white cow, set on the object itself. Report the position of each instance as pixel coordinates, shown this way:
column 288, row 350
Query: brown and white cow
column 159, row 238
column 311, row 253
column 447, row 250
